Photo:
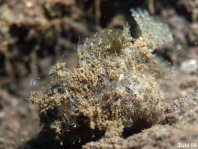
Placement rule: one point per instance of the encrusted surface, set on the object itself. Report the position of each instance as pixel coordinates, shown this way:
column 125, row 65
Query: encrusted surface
column 181, row 120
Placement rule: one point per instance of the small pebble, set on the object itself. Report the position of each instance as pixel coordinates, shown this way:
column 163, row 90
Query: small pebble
column 2, row 114
column 189, row 66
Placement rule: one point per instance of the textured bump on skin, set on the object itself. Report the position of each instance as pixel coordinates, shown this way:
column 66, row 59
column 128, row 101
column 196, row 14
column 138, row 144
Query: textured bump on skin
column 116, row 82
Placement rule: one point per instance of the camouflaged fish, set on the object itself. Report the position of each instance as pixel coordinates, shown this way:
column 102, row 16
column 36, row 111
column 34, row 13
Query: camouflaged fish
column 115, row 85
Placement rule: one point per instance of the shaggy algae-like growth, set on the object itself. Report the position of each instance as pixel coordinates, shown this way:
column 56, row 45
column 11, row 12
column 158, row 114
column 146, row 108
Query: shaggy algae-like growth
column 115, row 85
